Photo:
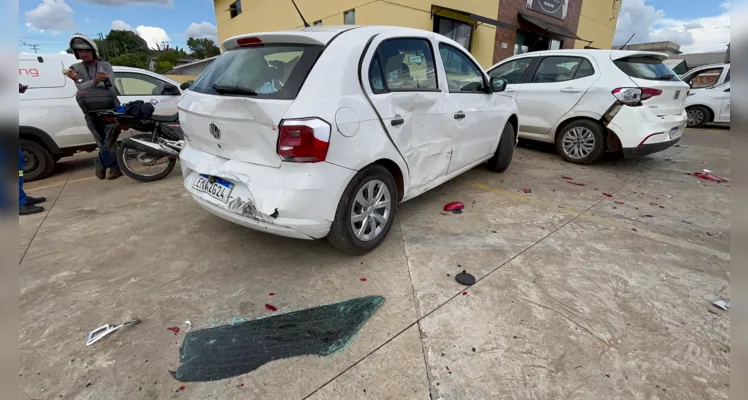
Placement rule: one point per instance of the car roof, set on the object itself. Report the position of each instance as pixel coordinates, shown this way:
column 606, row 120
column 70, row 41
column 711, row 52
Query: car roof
column 595, row 53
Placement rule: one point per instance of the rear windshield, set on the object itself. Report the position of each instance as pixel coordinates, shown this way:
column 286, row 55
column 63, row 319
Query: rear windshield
column 646, row 68
column 274, row 71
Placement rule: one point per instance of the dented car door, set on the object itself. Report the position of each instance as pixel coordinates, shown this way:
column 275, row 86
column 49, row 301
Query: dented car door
column 401, row 74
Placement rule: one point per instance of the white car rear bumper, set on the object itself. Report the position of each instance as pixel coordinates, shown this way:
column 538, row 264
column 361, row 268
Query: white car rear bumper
column 642, row 132
column 295, row 200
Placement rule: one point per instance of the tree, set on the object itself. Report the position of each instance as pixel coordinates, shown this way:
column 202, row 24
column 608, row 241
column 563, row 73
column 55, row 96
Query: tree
column 166, row 60
column 136, row 60
column 202, row 48
column 118, row 42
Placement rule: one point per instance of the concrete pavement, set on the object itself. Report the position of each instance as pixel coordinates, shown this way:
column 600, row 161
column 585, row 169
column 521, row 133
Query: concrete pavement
column 577, row 296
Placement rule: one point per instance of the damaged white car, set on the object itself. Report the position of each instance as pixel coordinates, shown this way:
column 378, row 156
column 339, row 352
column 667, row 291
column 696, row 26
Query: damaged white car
column 322, row 132
column 588, row 102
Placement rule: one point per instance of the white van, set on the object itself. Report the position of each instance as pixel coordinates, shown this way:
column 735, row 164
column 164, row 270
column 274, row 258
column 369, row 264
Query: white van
column 52, row 126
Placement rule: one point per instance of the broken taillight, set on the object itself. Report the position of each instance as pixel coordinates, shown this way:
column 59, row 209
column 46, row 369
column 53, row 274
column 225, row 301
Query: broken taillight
column 304, row 140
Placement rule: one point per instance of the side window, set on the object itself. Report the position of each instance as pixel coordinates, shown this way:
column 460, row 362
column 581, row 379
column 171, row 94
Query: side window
column 557, row 69
column 585, row 70
column 705, row 78
column 403, row 65
column 133, row 84
column 463, row 76
column 511, row 71
column 727, row 77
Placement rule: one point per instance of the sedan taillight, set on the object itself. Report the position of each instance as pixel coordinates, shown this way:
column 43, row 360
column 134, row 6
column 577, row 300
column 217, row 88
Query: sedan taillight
column 304, row 140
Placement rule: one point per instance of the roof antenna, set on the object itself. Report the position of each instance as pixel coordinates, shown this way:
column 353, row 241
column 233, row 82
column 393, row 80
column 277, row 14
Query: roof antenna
column 624, row 45
column 306, row 24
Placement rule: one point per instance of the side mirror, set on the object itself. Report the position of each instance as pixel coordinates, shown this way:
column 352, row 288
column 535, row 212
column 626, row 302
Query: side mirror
column 170, row 90
column 185, row 85
column 498, row 85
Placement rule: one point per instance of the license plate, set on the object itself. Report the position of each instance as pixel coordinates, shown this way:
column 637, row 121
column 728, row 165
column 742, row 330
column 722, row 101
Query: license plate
column 676, row 132
column 217, row 188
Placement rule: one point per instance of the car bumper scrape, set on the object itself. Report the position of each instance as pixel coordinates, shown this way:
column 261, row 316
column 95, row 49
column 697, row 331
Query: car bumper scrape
column 642, row 132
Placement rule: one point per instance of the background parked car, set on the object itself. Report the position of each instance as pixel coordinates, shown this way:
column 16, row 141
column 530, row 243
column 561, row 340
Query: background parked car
column 52, row 125
column 707, row 76
column 588, row 102
column 274, row 144
column 708, row 105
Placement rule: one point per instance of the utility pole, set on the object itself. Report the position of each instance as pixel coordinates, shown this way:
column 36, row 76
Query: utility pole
column 33, row 46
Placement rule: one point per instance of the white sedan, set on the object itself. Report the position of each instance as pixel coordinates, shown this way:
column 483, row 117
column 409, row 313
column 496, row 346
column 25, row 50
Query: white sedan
column 708, row 105
column 322, row 132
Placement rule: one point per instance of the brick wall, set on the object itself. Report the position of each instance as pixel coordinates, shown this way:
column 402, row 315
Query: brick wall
column 508, row 10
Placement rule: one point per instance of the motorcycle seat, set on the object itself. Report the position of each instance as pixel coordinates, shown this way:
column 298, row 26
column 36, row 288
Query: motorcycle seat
column 165, row 118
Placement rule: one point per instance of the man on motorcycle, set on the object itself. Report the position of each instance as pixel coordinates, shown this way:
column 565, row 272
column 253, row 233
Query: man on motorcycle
column 94, row 73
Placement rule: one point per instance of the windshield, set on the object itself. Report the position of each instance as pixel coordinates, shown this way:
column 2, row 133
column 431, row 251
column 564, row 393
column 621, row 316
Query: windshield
column 274, row 71
column 643, row 67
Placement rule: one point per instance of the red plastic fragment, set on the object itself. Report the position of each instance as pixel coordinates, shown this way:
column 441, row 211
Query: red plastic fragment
column 363, row 279
column 607, row 194
column 173, row 329
column 270, row 307
column 709, row 177
column 527, row 190
column 464, row 293
column 576, row 183
column 241, row 385
column 271, row 294
column 455, row 205
column 182, row 388
column 568, row 178
column 619, row 202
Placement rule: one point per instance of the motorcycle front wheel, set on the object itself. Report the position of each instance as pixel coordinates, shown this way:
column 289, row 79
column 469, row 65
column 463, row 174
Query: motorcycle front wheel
column 141, row 166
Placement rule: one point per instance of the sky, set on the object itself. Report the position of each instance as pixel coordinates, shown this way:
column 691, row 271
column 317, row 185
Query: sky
column 49, row 23
column 697, row 25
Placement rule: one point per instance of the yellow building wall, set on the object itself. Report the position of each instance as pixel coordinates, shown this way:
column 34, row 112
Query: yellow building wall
column 597, row 22
column 267, row 15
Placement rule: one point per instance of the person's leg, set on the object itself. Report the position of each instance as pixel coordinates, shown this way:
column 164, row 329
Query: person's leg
column 97, row 129
column 26, row 205
column 108, row 152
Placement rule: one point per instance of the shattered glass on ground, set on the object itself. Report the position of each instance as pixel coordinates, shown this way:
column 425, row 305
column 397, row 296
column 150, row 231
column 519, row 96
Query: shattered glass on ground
column 231, row 350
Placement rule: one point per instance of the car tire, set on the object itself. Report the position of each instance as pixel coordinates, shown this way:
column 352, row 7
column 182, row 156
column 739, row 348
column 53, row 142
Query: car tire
column 698, row 116
column 39, row 160
column 504, row 152
column 342, row 235
column 578, row 135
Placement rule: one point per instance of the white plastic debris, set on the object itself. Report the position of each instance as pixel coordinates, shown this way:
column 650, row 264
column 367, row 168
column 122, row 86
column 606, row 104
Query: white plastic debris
column 707, row 171
column 189, row 326
column 723, row 304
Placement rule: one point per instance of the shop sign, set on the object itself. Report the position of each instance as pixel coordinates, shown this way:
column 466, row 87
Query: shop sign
column 554, row 8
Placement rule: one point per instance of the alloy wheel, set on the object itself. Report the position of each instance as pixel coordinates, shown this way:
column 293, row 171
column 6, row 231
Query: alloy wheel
column 370, row 210
column 695, row 117
column 578, row 142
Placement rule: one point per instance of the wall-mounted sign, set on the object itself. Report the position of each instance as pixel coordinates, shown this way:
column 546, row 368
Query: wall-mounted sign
column 554, row 8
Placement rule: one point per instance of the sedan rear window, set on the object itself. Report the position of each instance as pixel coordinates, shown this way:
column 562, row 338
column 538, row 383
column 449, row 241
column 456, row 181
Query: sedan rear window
column 275, row 71
column 646, row 68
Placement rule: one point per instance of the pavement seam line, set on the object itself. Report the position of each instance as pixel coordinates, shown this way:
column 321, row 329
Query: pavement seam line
column 418, row 321
column 417, row 307
column 38, row 228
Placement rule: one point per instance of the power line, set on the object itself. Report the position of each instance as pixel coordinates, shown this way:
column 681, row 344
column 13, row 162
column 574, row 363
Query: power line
column 33, row 46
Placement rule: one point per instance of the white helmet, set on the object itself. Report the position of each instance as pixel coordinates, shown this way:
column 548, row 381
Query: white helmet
column 82, row 42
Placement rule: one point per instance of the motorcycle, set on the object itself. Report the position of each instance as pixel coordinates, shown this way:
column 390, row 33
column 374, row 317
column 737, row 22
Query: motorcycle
column 148, row 156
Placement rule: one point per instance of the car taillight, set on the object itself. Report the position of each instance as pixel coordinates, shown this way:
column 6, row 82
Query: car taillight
column 628, row 96
column 304, row 140
column 649, row 93
column 248, row 41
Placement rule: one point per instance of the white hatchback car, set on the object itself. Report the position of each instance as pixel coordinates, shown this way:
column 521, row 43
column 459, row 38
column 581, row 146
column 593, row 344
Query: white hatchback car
column 708, row 105
column 588, row 102
column 323, row 131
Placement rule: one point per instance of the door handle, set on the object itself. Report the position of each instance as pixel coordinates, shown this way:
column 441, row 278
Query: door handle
column 460, row 115
column 397, row 121
column 570, row 90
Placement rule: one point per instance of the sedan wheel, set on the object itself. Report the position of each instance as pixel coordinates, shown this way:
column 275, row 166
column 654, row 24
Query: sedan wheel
column 370, row 210
column 696, row 117
column 578, row 143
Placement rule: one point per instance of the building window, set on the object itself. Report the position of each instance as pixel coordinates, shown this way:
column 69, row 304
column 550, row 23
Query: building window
column 349, row 17
column 460, row 32
column 555, row 44
column 317, row 23
column 235, row 8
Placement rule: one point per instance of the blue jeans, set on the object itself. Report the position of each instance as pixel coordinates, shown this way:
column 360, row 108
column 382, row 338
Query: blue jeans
column 107, row 157
column 21, row 193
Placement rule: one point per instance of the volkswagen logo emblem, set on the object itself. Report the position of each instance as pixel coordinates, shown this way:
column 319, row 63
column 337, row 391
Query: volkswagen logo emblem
column 214, row 131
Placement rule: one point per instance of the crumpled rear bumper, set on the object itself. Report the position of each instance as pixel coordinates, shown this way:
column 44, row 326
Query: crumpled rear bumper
column 295, row 200
column 642, row 132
